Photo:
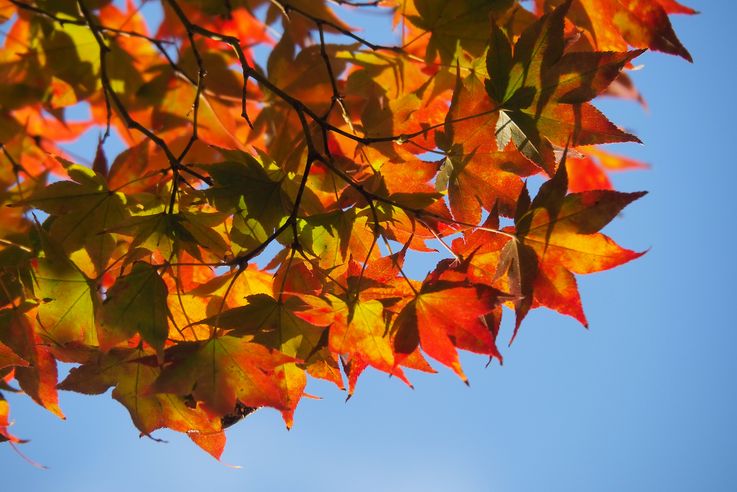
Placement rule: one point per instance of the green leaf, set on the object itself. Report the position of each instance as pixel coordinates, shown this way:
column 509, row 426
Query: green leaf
column 538, row 48
column 83, row 211
column 72, row 54
column 68, row 298
column 169, row 234
column 251, row 190
column 464, row 22
column 135, row 304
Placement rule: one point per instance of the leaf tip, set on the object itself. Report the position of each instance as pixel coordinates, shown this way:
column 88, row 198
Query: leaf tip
column 517, row 324
column 56, row 410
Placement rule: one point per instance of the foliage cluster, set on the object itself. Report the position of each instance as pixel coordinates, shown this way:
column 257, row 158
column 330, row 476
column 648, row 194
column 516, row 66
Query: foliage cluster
column 254, row 229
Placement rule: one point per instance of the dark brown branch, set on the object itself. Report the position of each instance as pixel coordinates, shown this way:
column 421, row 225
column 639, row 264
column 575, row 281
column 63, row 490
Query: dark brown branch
column 375, row 3
column 174, row 162
column 201, row 74
column 234, row 42
column 191, row 29
column 287, row 7
column 17, row 169
column 329, row 68
column 81, row 22
column 302, row 111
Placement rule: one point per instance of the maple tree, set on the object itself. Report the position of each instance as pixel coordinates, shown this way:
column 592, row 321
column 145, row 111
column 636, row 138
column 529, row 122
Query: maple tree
column 254, row 228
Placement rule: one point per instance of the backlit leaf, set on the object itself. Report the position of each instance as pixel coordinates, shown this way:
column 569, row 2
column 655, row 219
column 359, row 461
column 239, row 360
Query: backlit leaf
column 203, row 209
column 222, row 371
column 68, row 299
column 136, row 303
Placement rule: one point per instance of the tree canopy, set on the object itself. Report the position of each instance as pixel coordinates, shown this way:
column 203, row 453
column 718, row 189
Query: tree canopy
column 279, row 170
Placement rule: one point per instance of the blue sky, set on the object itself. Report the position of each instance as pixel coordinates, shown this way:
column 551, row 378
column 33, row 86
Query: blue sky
column 644, row 400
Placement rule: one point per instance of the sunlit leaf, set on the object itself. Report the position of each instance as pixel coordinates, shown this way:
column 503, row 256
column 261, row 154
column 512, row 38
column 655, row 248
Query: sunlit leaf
column 202, row 209
column 136, row 303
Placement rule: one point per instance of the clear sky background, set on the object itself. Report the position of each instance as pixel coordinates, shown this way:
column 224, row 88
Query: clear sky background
column 644, row 400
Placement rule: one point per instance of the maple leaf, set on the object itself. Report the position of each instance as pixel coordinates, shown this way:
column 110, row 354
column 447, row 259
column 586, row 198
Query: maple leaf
column 68, row 298
column 136, row 303
column 446, row 314
column 335, row 237
column 276, row 324
column 122, row 370
column 223, row 371
column 81, row 67
column 588, row 171
column 543, row 93
column 357, row 330
column 450, row 23
column 480, row 174
column 644, row 24
column 253, row 191
column 562, row 230
column 197, row 301
column 83, row 209
column 5, row 422
column 35, row 366
column 8, row 358
column 169, row 234
column 256, row 218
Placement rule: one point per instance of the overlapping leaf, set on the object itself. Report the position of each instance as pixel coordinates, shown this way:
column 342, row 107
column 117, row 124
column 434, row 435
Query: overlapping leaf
column 450, row 23
column 68, row 299
column 119, row 369
column 542, row 93
column 443, row 320
column 136, row 303
column 613, row 24
column 83, row 210
column 5, row 422
column 563, row 231
column 260, row 221
column 223, row 371
column 35, row 366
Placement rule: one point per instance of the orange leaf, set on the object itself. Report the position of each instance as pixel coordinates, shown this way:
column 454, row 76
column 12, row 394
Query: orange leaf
column 443, row 321
column 5, row 422
column 123, row 370
column 563, row 232
column 223, row 371
column 38, row 376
